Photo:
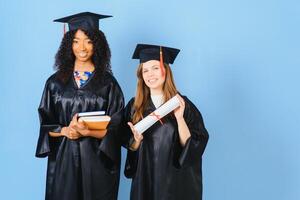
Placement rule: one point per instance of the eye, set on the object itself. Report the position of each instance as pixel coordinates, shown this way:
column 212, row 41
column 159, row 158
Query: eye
column 144, row 71
column 90, row 42
column 75, row 41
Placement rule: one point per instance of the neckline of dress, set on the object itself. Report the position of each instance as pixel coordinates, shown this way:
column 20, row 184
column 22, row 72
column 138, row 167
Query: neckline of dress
column 157, row 100
column 87, row 81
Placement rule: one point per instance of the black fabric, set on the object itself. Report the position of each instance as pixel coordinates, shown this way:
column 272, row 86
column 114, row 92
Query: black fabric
column 146, row 52
column 86, row 168
column 161, row 169
column 84, row 20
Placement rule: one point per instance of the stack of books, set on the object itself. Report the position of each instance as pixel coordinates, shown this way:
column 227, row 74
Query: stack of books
column 96, row 120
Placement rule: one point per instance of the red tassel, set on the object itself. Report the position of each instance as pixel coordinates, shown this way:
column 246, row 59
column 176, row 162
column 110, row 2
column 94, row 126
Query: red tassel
column 161, row 62
column 157, row 117
column 64, row 28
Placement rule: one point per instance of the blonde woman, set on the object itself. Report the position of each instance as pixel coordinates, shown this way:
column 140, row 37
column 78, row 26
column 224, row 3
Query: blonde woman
column 165, row 161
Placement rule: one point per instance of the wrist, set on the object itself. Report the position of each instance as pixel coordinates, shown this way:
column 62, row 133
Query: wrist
column 85, row 132
column 180, row 119
column 136, row 142
column 63, row 131
column 134, row 146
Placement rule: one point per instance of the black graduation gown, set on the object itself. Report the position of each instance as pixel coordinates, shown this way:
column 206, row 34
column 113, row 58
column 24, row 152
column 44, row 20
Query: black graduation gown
column 87, row 168
column 161, row 169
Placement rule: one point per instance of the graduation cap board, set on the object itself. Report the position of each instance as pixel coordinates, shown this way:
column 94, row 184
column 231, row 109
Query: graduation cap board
column 84, row 20
column 146, row 52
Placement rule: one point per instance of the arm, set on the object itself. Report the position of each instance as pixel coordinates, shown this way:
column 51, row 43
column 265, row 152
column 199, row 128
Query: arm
column 133, row 143
column 184, row 132
column 78, row 129
column 48, row 123
column 191, row 152
column 54, row 134
column 111, row 144
column 68, row 132
column 137, row 138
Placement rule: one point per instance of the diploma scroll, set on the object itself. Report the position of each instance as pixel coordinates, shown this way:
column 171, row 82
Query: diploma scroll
column 156, row 115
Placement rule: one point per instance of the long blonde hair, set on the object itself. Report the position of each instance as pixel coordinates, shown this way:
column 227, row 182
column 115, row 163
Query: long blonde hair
column 143, row 92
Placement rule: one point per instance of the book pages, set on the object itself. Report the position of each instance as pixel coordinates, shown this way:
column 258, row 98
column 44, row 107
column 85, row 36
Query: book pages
column 93, row 113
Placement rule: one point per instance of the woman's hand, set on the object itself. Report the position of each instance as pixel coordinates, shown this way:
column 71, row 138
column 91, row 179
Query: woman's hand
column 183, row 130
column 137, row 137
column 70, row 133
column 178, row 112
column 79, row 126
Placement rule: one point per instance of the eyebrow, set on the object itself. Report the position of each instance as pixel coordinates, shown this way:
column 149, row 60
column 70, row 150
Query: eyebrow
column 155, row 65
column 76, row 38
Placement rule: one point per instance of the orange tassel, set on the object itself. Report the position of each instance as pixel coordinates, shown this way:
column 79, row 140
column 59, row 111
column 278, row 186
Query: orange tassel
column 161, row 62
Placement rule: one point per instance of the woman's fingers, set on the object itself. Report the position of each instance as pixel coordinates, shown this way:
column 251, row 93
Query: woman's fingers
column 80, row 125
column 75, row 117
column 181, row 100
column 137, row 136
column 131, row 127
column 130, row 124
column 72, row 133
column 74, row 121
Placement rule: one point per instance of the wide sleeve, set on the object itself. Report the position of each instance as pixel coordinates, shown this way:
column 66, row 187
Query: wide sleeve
column 48, row 123
column 131, row 163
column 127, row 139
column 110, row 144
column 125, row 131
column 192, row 152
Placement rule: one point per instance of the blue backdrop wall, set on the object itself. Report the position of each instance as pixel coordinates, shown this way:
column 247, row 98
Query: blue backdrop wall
column 239, row 63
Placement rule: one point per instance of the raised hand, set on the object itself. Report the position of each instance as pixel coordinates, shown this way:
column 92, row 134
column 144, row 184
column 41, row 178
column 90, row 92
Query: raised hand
column 137, row 137
column 178, row 112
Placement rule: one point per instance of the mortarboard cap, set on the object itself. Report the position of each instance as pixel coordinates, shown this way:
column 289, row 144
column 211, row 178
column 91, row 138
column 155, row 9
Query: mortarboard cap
column 84, row 20
column 146, row 52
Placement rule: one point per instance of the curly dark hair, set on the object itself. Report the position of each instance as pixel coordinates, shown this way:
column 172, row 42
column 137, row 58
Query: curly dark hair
column 65, row 58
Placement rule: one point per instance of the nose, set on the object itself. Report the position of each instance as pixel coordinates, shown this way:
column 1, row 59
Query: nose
column 152, row 73
column 82, row 46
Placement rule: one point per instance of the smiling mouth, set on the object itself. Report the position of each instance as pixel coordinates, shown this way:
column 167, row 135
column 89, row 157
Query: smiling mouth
column 152, row 80
column 82, row 54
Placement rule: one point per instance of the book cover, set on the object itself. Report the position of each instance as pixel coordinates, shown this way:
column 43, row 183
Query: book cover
column 94, row 120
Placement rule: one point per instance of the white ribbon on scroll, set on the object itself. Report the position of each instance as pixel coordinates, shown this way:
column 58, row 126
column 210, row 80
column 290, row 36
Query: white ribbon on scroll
column 156, row 115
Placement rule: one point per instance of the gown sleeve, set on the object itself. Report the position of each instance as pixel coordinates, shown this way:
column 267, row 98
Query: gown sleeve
column 192, row 152
column 131, row 163
column 127, row 139
column 110, row 144
column 126, row 134
column 48, row 123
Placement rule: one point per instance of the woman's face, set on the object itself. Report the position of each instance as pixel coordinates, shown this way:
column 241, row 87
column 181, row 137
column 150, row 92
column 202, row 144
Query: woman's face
column 152, row 76
column 82, row 47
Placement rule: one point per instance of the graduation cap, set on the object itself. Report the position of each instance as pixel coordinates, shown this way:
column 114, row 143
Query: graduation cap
column 84, row 20
column 146, row 52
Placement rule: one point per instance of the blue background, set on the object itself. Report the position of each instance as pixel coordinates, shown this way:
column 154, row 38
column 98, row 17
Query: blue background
column 239, row 64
